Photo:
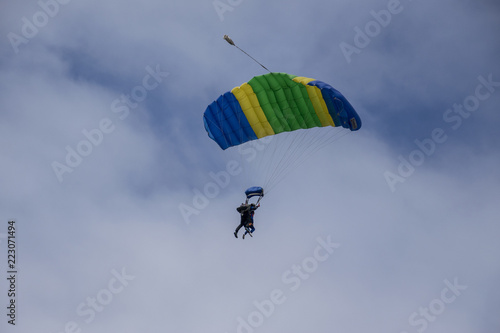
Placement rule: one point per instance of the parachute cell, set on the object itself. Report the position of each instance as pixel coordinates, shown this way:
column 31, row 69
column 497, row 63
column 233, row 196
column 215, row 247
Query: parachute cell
column 274, row 103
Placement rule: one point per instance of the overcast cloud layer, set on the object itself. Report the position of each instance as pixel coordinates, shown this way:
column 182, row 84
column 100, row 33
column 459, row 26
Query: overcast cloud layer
column 124, row 208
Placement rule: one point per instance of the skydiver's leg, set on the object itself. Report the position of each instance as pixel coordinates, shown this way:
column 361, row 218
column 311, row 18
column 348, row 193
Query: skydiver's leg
column 251, row 228
column 237, row 229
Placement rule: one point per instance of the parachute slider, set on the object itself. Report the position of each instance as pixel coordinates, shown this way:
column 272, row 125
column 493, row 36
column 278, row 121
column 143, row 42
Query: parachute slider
column 254, row 191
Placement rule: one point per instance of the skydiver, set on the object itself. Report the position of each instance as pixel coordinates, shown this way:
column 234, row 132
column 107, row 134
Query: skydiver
column 247, row 212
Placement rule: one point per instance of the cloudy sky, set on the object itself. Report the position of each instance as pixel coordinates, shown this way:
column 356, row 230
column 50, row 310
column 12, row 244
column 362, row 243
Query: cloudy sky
column 124, row 209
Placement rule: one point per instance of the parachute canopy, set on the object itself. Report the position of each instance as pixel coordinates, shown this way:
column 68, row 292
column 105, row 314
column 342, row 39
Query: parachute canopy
column 273, row 103
column 254, row 192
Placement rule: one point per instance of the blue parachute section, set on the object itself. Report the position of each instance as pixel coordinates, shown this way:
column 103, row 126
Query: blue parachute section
column 254, row 191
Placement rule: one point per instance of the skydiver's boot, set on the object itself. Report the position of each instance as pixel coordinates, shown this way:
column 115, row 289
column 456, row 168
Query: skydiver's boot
column 244, row 235
column 236, row 234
